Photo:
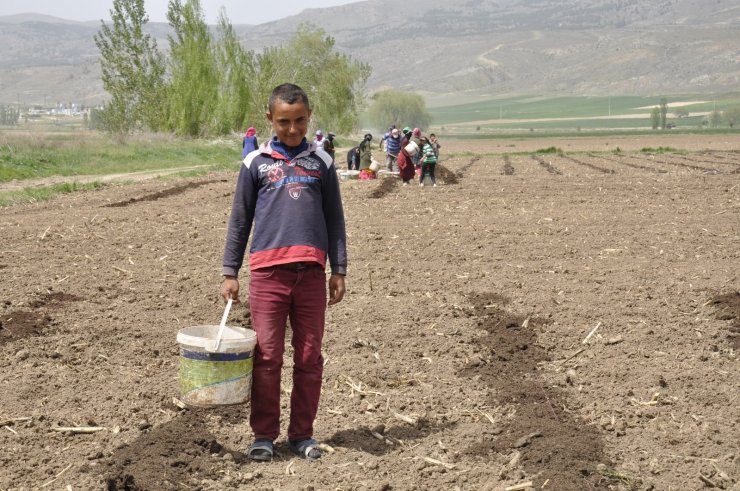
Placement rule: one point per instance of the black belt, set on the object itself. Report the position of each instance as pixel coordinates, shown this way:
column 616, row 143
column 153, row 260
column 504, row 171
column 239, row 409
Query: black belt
column 299, row 266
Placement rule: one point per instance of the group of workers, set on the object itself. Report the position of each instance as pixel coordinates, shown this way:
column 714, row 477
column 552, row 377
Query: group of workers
column 407, row 152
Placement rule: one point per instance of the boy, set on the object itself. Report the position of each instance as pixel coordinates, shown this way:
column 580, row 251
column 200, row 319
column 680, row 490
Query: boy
column 290, row 190
column 435, row 144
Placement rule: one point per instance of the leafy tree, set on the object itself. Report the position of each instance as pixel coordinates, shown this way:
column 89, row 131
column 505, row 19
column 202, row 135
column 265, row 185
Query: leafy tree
column 94, row 122
column 401, row 108
column 271, row 70
column 193, row 89
column 132, row 70
column 663, row 112
column 655, row 117
column 333, row 81
column 236, row 67
column 731, row 116
column 215, row 86
column 715, row 118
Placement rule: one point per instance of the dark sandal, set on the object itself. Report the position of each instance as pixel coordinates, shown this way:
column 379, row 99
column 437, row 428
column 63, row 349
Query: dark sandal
column 307, row 449
column 261, row 450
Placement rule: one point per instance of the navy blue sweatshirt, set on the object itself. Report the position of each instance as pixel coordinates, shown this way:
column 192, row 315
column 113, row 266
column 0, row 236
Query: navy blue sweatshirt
column 291, row 196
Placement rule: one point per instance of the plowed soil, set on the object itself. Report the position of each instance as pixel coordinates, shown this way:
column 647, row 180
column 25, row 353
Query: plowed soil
column 570, row 321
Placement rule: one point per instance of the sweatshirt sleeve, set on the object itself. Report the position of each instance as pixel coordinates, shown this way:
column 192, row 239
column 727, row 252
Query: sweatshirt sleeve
column 240, row 221
column 334, row 216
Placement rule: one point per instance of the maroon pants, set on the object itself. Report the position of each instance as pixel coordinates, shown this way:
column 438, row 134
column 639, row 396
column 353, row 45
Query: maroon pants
column 274, row 295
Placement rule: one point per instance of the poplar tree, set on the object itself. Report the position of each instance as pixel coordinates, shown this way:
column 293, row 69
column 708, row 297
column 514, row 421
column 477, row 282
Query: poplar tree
column 655, row 118
column 236, row 71
column 663, row 112
column 272, row 69
column 132, row 70
column 715, row 118
column 193, row 88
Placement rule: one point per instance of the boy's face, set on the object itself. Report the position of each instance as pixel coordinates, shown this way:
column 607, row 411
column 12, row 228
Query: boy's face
column 289, row 121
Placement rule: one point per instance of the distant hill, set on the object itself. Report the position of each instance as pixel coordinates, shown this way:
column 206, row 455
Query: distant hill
column 444, row 49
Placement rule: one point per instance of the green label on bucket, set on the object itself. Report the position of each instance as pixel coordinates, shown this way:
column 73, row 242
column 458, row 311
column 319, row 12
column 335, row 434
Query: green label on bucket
column 196, row 374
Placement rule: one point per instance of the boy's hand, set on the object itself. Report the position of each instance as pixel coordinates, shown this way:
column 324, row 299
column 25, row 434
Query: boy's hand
column 230, row 289
column 336, row 288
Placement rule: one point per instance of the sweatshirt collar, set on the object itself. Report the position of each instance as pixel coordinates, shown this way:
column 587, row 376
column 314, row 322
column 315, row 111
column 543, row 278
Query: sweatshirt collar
column 286, row 152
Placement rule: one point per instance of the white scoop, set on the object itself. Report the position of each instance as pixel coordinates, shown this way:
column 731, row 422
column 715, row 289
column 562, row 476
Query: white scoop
column 217, row 342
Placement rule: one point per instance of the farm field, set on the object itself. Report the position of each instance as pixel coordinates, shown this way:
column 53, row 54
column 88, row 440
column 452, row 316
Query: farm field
column 457, row 110
column 570, row 320
column 470, row 115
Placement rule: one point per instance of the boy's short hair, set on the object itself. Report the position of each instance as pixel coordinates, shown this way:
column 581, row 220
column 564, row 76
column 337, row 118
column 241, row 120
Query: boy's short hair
column 288, row 93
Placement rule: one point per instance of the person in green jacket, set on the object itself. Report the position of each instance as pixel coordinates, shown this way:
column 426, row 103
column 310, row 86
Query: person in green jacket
column 329, row 145
column 428, row 161
column 365, row 152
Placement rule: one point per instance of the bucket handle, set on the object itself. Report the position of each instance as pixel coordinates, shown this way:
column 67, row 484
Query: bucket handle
column 217, row 343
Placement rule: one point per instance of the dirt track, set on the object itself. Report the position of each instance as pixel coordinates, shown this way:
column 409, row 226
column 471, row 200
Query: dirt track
column 467, row 311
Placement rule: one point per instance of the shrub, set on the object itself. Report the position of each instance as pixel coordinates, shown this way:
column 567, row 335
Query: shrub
column 550, row 150
column 658, row 150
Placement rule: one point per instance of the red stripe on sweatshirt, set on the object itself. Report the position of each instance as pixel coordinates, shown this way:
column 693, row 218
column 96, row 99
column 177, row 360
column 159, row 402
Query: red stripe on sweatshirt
column 285, row 255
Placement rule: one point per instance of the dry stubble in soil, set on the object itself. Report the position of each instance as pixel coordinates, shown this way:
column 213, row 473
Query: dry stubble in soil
column 460, row 357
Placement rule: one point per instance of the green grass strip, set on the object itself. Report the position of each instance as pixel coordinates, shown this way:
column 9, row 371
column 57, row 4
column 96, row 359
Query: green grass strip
column 37, row 194
column 33, row 156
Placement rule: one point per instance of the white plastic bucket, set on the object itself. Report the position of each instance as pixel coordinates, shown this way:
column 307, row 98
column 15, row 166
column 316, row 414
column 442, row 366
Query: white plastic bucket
column 411, row 148
column 374, row 166
column 214, row 378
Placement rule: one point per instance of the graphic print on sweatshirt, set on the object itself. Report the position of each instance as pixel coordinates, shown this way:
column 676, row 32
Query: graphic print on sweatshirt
column 293, row 176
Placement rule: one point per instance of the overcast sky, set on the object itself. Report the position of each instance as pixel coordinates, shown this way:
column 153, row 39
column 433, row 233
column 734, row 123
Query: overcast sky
column 238, row 11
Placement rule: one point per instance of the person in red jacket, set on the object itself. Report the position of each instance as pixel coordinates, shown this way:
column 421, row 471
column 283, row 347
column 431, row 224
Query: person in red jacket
column 405, row 158
column 249, row 142
column 288, row 192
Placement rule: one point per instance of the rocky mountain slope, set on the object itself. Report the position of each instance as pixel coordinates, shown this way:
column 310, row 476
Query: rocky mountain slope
column 440, row 47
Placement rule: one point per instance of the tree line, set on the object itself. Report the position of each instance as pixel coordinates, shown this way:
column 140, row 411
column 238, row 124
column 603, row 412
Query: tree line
column 659, row 116
column 210, row 84
column 9, row 116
